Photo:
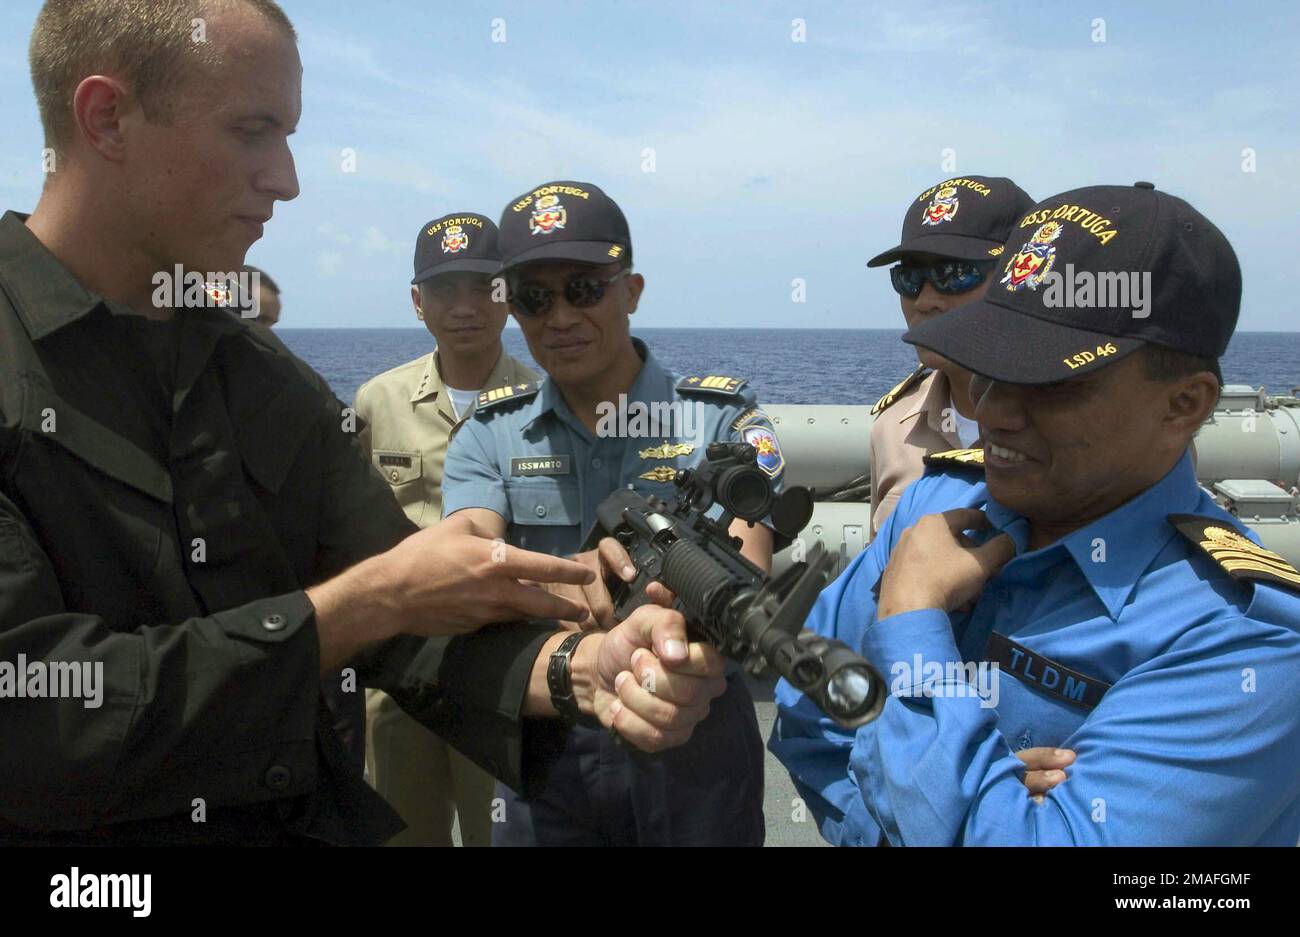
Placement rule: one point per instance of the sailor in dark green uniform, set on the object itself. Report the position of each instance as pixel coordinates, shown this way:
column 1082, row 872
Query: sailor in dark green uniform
column 537, row 460
column 189, row 534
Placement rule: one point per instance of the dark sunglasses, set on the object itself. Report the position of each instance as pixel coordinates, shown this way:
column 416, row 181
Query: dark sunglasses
column 533, row 300
column 946, row 276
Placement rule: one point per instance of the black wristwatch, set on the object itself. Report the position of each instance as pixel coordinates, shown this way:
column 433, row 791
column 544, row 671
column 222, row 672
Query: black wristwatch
column 559, row 677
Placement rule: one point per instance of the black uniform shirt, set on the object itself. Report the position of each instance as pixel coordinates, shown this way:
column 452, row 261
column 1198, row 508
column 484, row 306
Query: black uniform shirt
column 165, row 530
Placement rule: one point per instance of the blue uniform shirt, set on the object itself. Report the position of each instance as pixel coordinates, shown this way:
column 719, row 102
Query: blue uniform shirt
column 529, row 459
column 1195, row 741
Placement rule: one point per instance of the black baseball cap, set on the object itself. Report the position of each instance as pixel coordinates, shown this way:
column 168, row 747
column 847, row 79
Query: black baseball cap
column 967, row 218
column 461, row 241
column 572, row 221
column 1090, row 276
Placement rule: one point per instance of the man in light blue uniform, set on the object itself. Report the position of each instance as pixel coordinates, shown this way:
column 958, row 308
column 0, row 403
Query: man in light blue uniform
column 537, row 460
column 1132, row 620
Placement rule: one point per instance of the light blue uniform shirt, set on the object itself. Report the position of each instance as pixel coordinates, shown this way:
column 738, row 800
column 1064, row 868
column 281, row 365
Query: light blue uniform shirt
column 505, row 459
column 527, row 457
column 1196, row 741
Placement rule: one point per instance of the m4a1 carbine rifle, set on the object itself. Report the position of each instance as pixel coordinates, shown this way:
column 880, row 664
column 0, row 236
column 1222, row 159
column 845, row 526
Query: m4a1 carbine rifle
column 727, row 600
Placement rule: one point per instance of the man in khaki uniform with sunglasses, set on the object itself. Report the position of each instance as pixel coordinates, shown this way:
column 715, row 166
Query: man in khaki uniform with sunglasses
column 953, row 233
column 410, row 414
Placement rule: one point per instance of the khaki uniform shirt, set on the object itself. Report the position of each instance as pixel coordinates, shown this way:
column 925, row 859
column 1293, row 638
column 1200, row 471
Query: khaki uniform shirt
column 160, row 516
column 409, row 421
column 909, row 425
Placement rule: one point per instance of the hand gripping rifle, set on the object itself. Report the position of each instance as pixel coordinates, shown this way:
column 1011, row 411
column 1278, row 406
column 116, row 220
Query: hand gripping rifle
column 727, row 600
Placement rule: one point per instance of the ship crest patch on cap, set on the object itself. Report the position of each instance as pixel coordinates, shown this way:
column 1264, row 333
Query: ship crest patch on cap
column 1030, row 265
column 548, row 215
column 454, row 240
column 943, row 207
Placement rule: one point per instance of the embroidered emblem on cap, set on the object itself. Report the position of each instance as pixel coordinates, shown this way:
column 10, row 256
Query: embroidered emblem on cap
column 1030, row 265
column 219, row 294
column 943, row 207
column 454, row 240
column 548, row 215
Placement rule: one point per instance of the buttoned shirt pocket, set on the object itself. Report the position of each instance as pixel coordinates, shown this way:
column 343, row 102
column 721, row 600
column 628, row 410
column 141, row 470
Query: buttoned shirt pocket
column 1032, row 718
column 47, row 416
column 71, row 466
column 398, row 467
column 545, row 514
column 402, row 469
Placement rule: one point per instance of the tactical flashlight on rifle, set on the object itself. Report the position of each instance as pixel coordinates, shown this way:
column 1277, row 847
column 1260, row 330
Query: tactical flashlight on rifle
column 726, row 599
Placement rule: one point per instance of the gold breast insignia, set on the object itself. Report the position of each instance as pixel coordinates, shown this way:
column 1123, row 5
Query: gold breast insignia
column 660, row 473
column 668, row 450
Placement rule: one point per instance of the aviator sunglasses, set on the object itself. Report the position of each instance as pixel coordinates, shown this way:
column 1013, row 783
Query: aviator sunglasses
column 946, row 276
column 533, row 300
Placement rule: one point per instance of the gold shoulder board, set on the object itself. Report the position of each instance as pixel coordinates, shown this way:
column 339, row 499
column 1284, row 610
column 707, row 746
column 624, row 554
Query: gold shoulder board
column 967, row 458
column 511, row 392
column 1239, row 557
column 711, row 384
column 900, row 388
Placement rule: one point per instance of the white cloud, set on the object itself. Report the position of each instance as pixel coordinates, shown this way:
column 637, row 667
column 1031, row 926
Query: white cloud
column 329, row 262
column 333, row 232
column 374, row 241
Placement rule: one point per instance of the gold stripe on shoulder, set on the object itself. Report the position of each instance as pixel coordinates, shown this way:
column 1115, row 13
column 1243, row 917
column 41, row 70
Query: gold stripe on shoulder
column 1234, row 552
column 712, row 384
column 970, row 458
column 1255, row 570
column 513, row 392
column 900, row 388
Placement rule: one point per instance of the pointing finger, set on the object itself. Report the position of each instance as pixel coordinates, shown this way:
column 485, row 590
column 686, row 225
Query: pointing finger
column 542, row 567
column 532, row 602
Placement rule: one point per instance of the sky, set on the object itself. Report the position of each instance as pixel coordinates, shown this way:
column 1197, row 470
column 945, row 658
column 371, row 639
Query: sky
column 751, row 145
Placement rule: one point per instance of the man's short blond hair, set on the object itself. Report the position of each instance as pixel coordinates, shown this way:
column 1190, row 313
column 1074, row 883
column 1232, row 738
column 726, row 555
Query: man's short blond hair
column 148, row 44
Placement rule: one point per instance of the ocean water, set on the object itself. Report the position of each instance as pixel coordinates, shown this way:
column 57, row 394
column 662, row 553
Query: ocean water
column 793, row 366
column 801, row 366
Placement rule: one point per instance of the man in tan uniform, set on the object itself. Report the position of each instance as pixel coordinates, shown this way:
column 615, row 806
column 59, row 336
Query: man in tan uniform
column 410, row 414
column 952, row 235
